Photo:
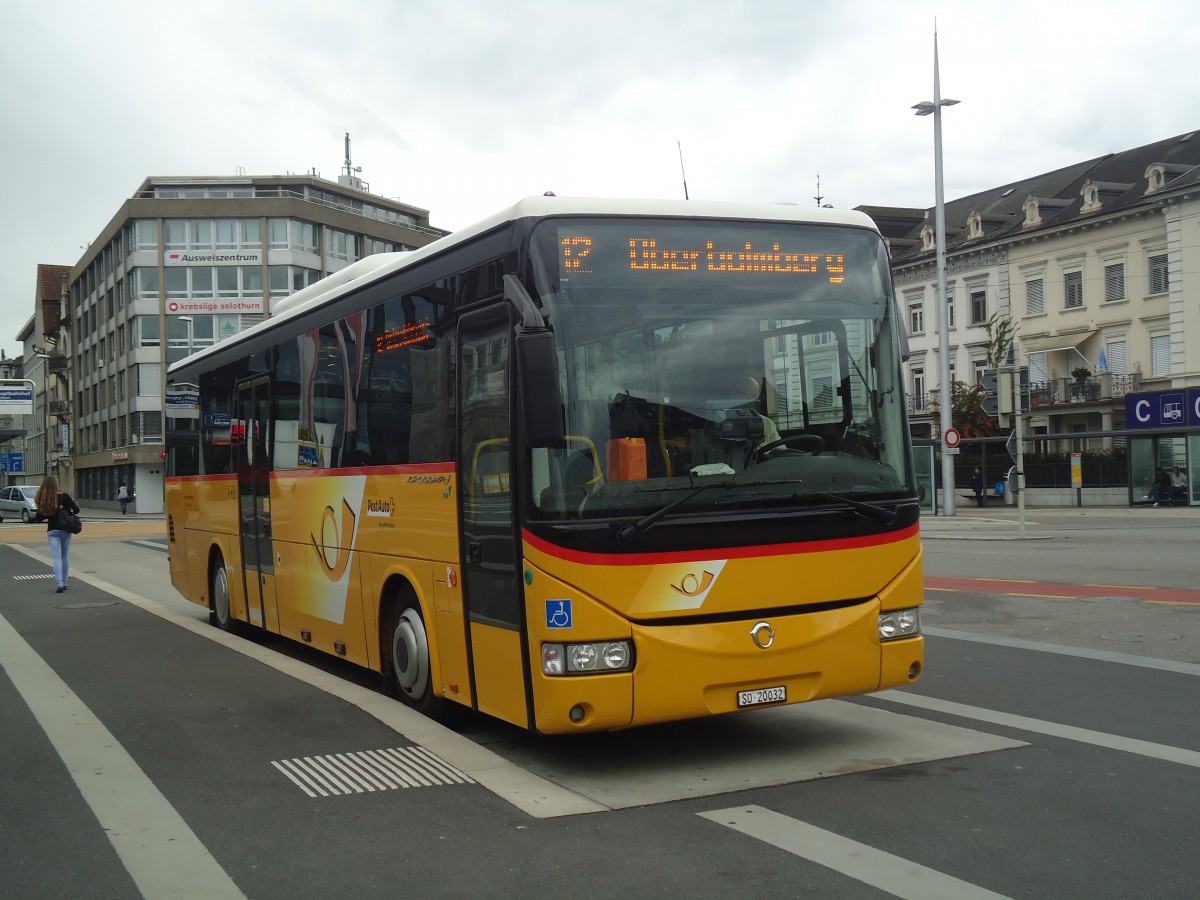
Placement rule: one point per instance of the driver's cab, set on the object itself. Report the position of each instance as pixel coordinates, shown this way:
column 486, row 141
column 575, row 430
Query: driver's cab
column 703, row 399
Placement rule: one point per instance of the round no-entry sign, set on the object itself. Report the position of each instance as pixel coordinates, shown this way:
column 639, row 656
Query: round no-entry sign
column 952, row 437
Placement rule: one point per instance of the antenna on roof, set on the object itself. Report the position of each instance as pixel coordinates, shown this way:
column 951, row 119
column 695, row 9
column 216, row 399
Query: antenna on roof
column 679, row 144
column 349, row 178
column 819, row 197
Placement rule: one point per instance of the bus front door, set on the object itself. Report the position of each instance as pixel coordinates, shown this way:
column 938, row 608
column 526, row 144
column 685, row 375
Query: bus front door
column 254, row 502
column 491, row 589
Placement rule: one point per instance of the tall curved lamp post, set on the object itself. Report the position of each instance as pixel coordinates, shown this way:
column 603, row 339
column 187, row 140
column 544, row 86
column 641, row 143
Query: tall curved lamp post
column 925, row 108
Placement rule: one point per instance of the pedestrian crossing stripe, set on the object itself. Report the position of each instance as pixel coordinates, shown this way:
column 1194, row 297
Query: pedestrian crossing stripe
column 44, row 575
column 370, row 770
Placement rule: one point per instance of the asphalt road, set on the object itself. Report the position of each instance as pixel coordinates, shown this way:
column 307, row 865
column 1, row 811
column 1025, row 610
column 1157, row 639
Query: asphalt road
column 1052, row 748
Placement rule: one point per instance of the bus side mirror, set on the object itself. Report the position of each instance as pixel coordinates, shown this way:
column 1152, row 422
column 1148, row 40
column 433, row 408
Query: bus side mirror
column 539, row 397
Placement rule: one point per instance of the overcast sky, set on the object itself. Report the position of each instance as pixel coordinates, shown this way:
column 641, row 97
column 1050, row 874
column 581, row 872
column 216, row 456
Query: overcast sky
column 463, row 107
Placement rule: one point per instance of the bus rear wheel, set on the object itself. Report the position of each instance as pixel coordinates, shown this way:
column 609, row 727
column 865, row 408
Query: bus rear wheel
column 219, row 613
column 411, row 663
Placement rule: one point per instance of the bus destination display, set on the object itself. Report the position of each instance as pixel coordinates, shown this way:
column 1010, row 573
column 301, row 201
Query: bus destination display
column 581, row 254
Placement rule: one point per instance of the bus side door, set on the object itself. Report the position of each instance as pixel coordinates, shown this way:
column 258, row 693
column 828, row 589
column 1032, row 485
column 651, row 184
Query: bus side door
column 491, row 589
column 254, row 502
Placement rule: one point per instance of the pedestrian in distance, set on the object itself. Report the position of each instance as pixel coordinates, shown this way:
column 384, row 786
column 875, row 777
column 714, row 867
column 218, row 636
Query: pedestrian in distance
column 977, row 486
column 1162, row 486
column 1178, row 489
column 123, row 497
column 50, row 500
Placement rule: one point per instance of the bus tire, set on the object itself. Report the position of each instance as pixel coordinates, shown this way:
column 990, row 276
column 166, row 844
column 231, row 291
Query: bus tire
column 410, row 676
column 218, row 583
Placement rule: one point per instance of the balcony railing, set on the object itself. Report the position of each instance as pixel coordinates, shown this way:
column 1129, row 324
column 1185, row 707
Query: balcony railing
column 1093, row 389
column 1057, row 392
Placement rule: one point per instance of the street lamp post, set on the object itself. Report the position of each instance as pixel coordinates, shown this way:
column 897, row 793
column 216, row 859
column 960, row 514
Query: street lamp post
column 190, row 326
column 924, row 108
column 45, row 358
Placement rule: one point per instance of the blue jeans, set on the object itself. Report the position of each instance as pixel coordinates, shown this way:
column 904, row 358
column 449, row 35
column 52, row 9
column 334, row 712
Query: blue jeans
column 60, row 548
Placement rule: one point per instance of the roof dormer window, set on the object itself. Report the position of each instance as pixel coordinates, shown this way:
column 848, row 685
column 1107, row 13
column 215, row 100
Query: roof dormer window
column 974, row 225
column 927, row 238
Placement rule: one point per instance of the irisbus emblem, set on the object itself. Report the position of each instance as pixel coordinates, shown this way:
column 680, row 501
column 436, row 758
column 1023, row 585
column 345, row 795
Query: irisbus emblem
column 763, row 635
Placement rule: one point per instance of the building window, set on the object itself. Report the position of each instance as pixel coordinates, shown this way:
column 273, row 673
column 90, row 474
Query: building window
column 1114, row 281
column 149, row 380
column 980, row 366
column 918, row 383
column 176, row 278
column 202, row 234
column 175, row 234
column 146, row 234
column 1035, row 297
column 979, row 315
column 147, row 281
column 1037, row 367
column 1160, row 355
column 950, row 310
column 1160, row 281
column 146, row 331
column 1073, row 286
column 1115, row 357
column 916, row 318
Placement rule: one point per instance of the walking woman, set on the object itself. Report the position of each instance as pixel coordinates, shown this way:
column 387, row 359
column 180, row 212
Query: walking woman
column 48, row 499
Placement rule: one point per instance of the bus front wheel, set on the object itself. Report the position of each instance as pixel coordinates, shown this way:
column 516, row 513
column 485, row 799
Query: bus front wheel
column 410, row 661
column 219, row 614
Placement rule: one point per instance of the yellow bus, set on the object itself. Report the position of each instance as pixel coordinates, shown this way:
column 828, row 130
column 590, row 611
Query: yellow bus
column 587, row 465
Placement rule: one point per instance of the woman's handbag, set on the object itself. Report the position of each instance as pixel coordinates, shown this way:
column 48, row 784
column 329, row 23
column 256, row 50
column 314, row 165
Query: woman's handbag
column 65, row 520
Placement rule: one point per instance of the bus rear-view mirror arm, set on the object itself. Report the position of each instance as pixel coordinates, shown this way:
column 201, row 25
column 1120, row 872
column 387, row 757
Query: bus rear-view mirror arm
column 538, row 396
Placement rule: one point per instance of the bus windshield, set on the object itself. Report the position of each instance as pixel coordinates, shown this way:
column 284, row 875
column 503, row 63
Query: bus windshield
column 757, row 358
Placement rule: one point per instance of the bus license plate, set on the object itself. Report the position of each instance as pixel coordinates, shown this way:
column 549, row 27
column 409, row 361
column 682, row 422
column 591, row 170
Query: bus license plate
column 761, row 696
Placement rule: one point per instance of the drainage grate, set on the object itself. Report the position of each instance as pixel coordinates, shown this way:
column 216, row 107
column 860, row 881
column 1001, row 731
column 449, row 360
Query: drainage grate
column 370, row 770
column 47, row 575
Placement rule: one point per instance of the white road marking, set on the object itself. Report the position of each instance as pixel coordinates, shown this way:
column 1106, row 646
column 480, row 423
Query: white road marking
column 161, row 853
column 539, row 797
column 1052, row 729
column 1125, row 659
column 891, row 874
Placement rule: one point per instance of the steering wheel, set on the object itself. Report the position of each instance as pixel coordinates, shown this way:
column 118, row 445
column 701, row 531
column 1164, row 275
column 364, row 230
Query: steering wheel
column 807, row 443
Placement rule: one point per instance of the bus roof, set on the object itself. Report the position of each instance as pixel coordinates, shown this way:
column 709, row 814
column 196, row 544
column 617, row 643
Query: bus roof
column 372, row 268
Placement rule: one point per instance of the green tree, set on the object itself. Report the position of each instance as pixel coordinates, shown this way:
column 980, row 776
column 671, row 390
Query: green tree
column 1001, row 331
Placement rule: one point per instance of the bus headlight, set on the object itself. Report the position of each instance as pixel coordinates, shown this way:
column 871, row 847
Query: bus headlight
column 587, row 658
column 899, row 623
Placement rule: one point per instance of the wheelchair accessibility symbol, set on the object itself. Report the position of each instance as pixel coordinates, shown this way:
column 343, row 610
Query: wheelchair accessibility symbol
column 558, row 613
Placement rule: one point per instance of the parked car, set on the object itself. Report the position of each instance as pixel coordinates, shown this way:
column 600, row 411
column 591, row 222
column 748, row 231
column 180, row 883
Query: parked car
column 17, row 500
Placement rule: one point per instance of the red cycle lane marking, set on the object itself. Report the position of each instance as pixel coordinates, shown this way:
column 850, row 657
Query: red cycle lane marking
column 1016, row 586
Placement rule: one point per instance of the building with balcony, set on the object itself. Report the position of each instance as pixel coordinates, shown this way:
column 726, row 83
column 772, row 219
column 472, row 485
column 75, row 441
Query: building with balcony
column 183, row 263
column 1097, row 265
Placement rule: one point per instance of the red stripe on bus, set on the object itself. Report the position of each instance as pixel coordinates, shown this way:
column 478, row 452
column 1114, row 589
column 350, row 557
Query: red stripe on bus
column 403, row 469
column 440, row 468
column 652, row 559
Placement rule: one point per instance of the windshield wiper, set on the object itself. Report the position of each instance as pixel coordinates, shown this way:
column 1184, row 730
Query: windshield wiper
column 867, row 510
column 628, row 532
